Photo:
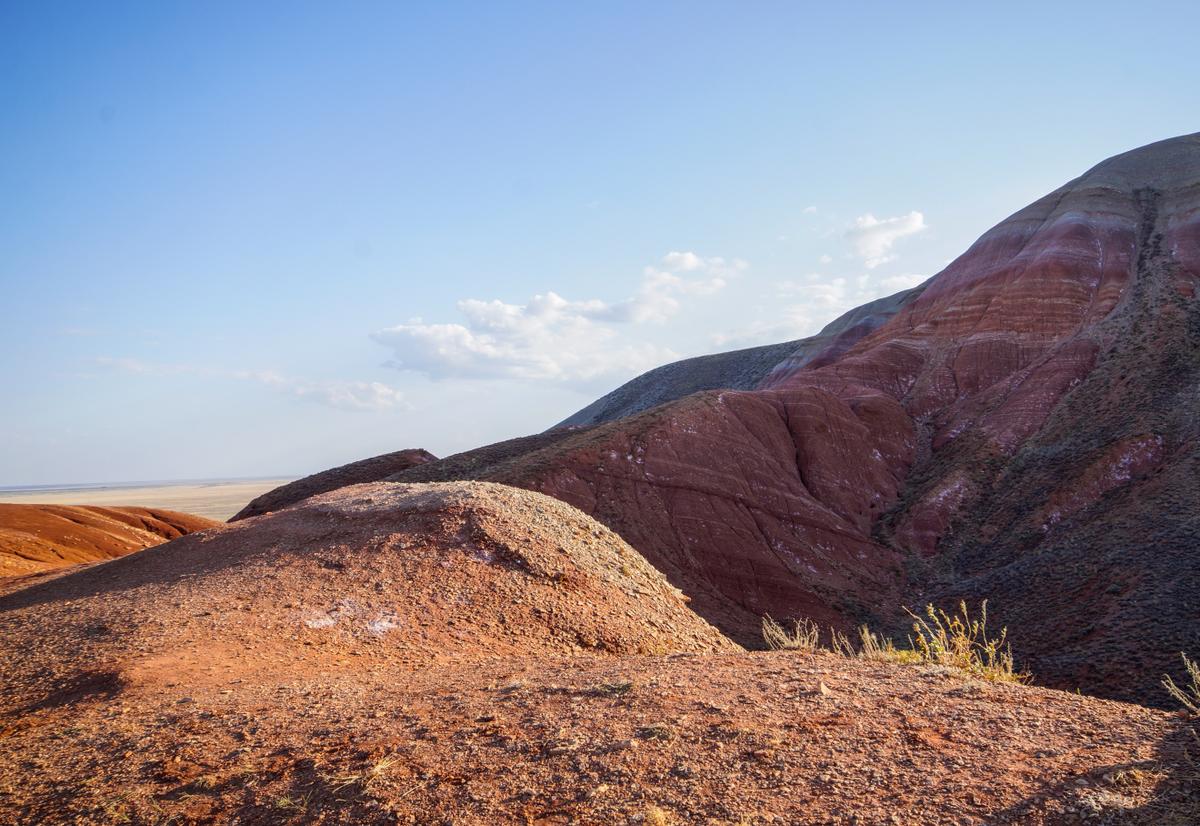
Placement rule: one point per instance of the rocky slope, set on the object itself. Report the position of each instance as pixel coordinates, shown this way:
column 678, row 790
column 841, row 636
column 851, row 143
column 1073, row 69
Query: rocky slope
column 1023, row 428
column 738, row 738
column 354, row 473
column 36, row 538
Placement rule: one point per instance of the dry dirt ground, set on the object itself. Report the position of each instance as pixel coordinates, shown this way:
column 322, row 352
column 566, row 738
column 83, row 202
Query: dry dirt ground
column 470, row 653
column 688, row 738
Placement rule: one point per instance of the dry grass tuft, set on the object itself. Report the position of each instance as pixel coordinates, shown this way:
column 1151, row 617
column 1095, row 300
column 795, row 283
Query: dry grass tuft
column 876, row 647
column 871, row 646
column 956, row 642
column 655, row 731
column 804, row 635
column 617, row 688
column 1189, row 693
column 656, row 816
column 961, row 642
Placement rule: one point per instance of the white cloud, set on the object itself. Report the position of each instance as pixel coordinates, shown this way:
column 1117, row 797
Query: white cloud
column 826, row 259
column 810, row 302
column 809, row 210
column 552, row 338
column 794, row 321
column 147, row 368
column 827, row 295
column 873, row 238
column 896, row 283
column 346, row 395
column 682, row 261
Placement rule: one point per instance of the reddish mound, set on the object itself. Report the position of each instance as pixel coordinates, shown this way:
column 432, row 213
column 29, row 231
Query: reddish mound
column 410, row 573
column 355, row 473
column 43, row 537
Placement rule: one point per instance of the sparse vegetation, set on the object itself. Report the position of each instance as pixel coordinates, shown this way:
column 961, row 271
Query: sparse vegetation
column 1189, row 693
column 656, row 816
column 957, row 641
column 655, row 731
column 878, row 648
column 378, row 772
column 961, row 642
column 803, row 636
column 613, row 689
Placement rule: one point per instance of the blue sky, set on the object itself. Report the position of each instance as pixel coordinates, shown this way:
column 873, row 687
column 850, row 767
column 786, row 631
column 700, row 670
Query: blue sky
column 257, row 239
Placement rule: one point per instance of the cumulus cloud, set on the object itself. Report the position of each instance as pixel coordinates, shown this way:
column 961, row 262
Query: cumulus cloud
column 873, row 238
column 345, row 395
column 552, row 338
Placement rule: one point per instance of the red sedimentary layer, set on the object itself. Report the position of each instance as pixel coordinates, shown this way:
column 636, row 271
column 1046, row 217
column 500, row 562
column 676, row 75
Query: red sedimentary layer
column 43, row 537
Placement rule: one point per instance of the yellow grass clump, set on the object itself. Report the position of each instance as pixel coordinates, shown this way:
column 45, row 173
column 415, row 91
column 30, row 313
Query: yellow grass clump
column 1189, row 693
column 961, row 641
column 803, row 636
column 956, row 641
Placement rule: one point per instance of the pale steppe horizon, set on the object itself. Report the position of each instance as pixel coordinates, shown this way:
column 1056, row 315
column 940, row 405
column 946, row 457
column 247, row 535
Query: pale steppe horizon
column 213, row 499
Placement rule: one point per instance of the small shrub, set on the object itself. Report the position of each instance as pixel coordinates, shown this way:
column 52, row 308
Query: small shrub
column 958, row 641
column 1189, row 693
column 804, row 635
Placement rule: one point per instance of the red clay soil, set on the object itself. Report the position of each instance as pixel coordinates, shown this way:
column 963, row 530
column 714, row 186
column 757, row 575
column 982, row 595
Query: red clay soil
column 476, row 654
column 36, row 538
column 750, row 738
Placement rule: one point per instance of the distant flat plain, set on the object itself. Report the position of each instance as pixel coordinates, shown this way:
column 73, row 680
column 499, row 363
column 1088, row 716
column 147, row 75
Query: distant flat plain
column 216, row 499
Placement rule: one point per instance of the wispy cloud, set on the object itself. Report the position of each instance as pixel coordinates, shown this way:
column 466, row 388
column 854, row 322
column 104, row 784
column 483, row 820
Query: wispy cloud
column 551, row 338
column 873, row 238
column 344, row 395
column 803, row 305
column 896, row 283
column 789, row 322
